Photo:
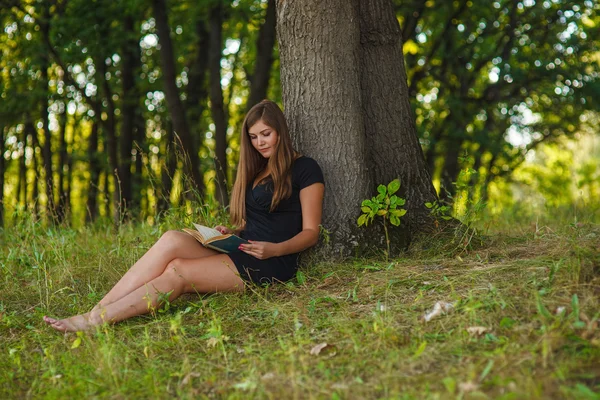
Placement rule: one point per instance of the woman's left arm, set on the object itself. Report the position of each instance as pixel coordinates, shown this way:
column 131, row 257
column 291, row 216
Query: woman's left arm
column 311, row 201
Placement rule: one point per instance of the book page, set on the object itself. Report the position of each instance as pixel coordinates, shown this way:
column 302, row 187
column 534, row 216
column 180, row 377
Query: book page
column 207, row 232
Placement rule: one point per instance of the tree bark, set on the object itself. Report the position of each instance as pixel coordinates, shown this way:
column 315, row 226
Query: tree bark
column 346, row 100
column 137, row 179
column 394, row 149
column 168, row 170
column 61, row 210
column 320, row 81
column 197, row 89
column 22, row 181
column 92, row 192
column 111, row 145
column 131, row 98
column 35, row 144
column 216, row 104
column 47, row 149
column 174, row 104
column 259, row 82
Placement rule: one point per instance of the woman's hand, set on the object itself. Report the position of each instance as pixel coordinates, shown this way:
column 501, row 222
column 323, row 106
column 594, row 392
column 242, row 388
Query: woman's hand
column 223, row 229
column 260, row 250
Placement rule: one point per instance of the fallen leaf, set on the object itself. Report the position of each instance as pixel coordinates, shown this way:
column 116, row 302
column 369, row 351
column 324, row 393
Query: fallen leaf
column 584, row 317
column 76, row 343
column 467, row 387
column 439, row 308
column 477, row 330
column 212, row 342
column 268, row 376
column 327, row 282
column 339, row 386
column 316, row 350
column 187, row 378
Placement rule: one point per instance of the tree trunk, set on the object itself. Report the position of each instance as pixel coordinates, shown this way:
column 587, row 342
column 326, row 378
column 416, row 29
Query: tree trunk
column 22, row 182
column 216, row 104
column 35, row 144
column 196, row 90
column 62, row 166
column 168, row 170
column 259, row 82
column 111, row 146
column 346, row 101
column 394, row 149
column 131, row 99
column 174, row 104
column 451, row 167
column 137, row 178
column 47, row 149
column 320, row 81
column 92, row 192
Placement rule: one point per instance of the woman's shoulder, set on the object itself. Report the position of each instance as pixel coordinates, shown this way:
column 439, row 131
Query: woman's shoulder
column 303, row 161
column 306, row 171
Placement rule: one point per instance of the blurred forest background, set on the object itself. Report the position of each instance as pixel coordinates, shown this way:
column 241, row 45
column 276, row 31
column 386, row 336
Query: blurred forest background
column 116, row 110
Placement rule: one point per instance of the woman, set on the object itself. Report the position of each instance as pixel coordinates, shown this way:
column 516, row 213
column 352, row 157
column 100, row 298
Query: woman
column 277, row 203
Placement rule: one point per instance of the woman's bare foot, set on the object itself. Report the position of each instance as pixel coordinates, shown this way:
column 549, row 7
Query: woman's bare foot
column 73, row 324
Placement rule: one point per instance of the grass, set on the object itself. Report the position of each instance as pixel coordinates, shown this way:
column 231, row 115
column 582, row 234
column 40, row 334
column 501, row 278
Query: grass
column 265, row 343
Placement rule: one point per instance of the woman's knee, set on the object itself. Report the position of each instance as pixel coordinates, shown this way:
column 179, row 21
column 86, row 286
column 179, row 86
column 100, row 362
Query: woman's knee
column 172, row 240
column 176, row 273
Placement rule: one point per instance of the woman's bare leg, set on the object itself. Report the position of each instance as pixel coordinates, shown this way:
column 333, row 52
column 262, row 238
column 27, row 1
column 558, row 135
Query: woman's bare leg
column 204, row 275
column 171, row 245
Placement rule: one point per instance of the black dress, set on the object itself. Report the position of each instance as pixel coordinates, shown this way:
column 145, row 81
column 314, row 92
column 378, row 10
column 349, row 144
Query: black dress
column 282, row 224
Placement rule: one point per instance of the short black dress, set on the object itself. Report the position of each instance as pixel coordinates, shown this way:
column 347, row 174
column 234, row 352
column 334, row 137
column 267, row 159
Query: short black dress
column 282, row 224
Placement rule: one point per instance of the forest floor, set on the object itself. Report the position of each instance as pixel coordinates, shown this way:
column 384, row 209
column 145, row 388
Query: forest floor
column 520, row 314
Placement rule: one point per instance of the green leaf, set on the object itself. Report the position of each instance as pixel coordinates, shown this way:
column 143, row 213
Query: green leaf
column 401, row 201
column 394, row 199
column 381, row 189
column 395, row 220
column 543, row 311
column 380, row 197
column 575, row 307
column 420, row 349
column 367, row 203
column 362, row 220
column 366, row 209
column 449, row 384
column 486, row 370
column 429, row 205
column 397, row 213
column 393, row 186
column 300, row 277
column 76, row 343
column 381, row 212
column 402, row 212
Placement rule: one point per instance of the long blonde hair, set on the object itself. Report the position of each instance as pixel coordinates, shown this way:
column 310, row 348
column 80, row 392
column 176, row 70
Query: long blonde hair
column 251, row 162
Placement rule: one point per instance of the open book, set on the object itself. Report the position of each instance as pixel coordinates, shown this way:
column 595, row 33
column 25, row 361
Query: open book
column 214, row 239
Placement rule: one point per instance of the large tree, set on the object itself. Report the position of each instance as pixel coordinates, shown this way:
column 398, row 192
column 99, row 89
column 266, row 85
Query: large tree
column 346, row 99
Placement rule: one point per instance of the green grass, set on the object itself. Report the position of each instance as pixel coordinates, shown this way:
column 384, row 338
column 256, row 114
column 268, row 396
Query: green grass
column 369, row 312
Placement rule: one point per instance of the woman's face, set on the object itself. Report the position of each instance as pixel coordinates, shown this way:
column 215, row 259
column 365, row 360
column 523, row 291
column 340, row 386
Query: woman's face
column 263, row 138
